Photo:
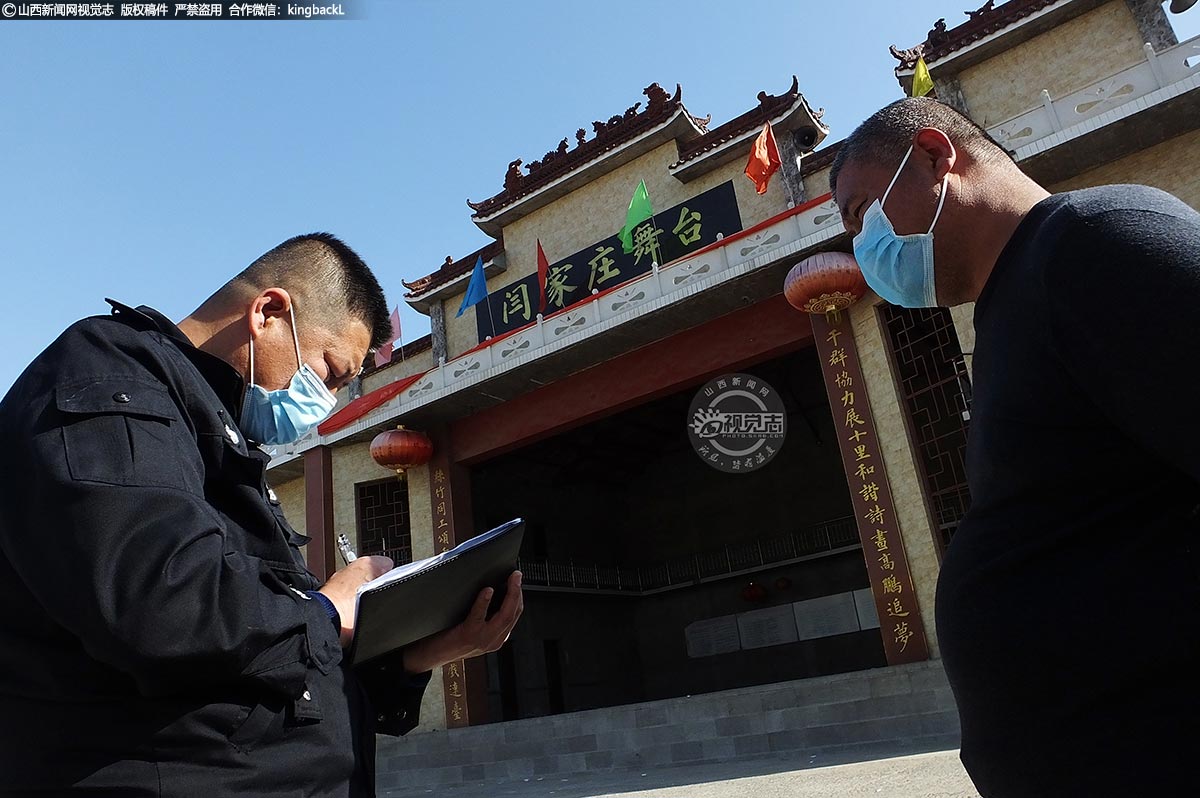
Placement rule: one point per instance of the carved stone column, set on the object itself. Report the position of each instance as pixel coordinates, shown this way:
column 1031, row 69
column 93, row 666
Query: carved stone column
column 949, row 90
column 1152, row 23
column 437, row 330
column 789, row 169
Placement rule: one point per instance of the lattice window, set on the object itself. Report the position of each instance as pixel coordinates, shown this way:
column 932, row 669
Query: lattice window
column 932, row 377
column 383, row 527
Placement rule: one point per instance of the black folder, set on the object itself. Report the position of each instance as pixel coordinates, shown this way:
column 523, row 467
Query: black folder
column 428, row 596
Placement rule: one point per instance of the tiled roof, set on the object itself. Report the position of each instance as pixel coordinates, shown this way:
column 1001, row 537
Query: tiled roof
column 560, row 161
column 769, row 106
column 985, row 21
column 452, row 269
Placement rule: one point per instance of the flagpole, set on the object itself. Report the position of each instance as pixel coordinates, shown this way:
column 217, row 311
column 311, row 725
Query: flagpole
column 491, row 319
column 655, row 251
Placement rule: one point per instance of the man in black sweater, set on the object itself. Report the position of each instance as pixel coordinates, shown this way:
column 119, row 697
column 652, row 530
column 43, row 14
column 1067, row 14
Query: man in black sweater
column 1067, row 601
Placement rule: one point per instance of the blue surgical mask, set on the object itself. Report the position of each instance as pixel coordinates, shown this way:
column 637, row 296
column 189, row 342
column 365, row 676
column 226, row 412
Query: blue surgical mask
column 286, row 415
column 898, row 268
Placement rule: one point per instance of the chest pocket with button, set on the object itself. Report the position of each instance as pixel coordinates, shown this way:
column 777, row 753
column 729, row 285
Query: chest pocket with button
column 235, row 487
column 122, row 431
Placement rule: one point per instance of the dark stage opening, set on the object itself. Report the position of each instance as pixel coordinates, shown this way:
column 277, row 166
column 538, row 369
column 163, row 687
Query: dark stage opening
column 650, row 574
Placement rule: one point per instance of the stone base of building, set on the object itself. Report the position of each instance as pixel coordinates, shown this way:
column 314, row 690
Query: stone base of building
column 907, row 706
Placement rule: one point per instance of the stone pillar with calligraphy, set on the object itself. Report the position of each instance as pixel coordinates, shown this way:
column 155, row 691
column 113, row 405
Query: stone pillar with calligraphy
column 450, row 494
column 883, row 546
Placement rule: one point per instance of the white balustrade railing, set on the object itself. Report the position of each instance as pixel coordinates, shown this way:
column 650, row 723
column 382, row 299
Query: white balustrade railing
column 1158, row 71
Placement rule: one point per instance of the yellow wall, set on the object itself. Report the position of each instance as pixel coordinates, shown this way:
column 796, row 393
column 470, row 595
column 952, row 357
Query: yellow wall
column 291, row 498
column 816, row 184
column 420, row 512
column 1064, row 59
column 420, row 516
column 596, row 211
column 417, row 364
column 907, row 491
column 1173, row 166
column 964, row 324
column 352, row 464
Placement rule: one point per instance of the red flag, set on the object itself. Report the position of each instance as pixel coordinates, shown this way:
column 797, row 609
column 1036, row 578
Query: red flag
column 764, row 159
column 383, row 355
column 543, row 272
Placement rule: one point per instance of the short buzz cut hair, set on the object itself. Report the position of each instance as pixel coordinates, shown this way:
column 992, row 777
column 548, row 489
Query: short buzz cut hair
column 327, row 280
column 888, row 132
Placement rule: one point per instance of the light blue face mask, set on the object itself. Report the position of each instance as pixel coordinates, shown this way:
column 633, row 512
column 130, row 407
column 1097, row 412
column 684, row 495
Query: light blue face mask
column 898, row 268
column 286, row 415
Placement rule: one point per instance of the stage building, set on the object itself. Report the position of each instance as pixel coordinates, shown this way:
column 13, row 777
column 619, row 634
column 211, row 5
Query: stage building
column 806, row 569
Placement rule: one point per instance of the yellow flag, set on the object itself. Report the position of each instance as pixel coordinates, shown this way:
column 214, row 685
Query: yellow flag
column 922, row 83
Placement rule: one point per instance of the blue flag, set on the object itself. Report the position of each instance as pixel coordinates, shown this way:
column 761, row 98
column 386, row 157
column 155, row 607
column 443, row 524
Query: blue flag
column 476, row 289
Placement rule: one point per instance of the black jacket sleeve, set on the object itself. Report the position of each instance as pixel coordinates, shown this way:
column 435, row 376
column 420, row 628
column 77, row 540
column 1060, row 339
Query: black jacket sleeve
column 113, row 536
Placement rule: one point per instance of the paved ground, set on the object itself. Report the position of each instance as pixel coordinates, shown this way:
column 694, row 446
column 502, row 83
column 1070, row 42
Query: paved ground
column 926, row 775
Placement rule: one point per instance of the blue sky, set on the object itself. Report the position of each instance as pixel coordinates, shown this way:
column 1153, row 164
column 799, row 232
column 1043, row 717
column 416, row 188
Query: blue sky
column 152, row 161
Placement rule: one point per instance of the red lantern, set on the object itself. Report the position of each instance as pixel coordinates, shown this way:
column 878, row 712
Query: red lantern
column 783, row 583
column 754, row 593
column 825, row 283
column 401, row 448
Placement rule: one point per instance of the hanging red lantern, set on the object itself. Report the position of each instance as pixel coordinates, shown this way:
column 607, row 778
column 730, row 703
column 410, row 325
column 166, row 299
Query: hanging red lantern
column 401, row 448
column 825, row 283
column 754, row 593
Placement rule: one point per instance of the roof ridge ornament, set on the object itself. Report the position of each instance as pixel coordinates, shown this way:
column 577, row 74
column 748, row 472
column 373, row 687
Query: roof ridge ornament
column 989, row 18
column 659, row 105
column 983, row 9
column 908, row 58
column 794, row 91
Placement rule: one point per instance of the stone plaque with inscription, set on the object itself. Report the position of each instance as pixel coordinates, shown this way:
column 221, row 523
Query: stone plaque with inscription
column 772, row 626
column 712, row 636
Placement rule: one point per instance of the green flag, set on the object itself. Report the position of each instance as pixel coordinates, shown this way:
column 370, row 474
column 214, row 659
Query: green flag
column 639, row 211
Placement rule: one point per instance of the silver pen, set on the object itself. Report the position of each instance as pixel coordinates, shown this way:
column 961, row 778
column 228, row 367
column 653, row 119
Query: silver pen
column 344, row 547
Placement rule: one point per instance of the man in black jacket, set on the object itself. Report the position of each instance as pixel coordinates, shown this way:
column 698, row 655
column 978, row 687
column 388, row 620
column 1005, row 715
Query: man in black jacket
column 161, row 635
column 1066, row 603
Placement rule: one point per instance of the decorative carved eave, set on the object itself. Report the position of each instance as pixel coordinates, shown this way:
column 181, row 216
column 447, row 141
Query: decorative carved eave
column 619, row 140
column 990, row 29
column 788, row 112
column 453, row 275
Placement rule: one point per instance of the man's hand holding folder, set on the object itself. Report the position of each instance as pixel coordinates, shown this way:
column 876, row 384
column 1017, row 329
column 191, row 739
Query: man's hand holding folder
column 476, row 635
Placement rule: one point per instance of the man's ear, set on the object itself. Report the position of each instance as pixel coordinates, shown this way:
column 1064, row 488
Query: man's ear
column 933, row 150
column 270, row 307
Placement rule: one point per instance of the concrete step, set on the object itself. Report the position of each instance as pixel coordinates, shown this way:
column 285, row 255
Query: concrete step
column 909, row 704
